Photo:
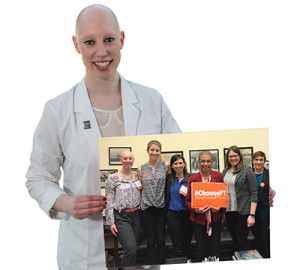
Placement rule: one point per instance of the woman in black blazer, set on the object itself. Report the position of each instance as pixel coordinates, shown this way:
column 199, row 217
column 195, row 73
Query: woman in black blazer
column 242, row 191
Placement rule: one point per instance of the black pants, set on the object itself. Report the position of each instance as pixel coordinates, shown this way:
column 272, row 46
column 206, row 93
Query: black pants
column 237, row 225
column 208, row 245
column 261, row 232
column 129, row 227
column 181, row 230
column 154, row 224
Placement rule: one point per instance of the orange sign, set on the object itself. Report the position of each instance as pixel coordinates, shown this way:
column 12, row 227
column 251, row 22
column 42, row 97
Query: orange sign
column 212, row 194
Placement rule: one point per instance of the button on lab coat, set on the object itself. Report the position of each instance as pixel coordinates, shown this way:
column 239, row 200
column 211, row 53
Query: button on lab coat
column 62, row 139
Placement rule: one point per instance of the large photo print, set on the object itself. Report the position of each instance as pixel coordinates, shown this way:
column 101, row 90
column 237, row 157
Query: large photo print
column 169, row 203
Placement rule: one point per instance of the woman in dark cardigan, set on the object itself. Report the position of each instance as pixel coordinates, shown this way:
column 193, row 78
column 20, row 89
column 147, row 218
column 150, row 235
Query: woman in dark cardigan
column 261, row 228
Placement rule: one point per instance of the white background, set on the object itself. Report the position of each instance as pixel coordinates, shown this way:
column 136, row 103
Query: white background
column 219, row 65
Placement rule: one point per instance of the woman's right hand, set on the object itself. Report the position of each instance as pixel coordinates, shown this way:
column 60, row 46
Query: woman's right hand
column 113, row 229
column 80, row 207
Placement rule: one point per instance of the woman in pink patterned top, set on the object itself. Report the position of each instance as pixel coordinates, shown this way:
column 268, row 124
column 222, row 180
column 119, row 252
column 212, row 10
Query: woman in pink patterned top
column 123, row 202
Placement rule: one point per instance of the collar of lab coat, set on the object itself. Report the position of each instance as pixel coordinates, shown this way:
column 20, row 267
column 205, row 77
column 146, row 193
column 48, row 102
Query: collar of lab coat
column 131, row 113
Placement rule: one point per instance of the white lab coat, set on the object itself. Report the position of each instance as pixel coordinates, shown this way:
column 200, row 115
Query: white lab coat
column 60, row 140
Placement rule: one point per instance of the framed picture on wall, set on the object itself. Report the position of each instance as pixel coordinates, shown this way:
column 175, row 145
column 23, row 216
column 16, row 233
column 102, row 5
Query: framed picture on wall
column 166, row 155
column 247, row 153
column 104, row 175
column 194, row 159
column 114, row 154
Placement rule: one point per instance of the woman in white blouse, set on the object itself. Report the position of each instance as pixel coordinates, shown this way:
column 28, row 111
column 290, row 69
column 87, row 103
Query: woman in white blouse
column 123, row 202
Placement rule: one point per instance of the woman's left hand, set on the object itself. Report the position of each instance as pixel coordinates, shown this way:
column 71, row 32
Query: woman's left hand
column 250, row 221
column 215, row 209
column 272, row 194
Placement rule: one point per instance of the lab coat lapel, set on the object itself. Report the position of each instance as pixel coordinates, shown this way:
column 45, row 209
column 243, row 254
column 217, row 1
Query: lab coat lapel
column 85, row 117
column 130, row 111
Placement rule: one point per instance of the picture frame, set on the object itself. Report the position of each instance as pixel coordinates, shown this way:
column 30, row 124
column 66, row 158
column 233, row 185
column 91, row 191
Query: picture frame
column 114, row 154
column 246, row 151
column 166, row 155
column 193, row 154
column 104, row 175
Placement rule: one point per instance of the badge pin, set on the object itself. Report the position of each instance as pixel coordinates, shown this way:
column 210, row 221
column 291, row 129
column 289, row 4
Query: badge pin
column 87, row 124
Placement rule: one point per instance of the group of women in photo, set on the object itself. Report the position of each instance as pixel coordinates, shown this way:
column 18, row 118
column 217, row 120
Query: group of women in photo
column 157, row 198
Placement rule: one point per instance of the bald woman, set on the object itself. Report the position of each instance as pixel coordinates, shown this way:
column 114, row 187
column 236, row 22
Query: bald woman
column 102, row 104
column 123, row 202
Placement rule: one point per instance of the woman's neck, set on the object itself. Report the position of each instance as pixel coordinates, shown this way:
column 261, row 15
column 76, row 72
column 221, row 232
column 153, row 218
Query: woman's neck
column 153, row 163
column 233, row 169
column 258, row 171
column 205, row 174
column 126, row 172
column 179, row 176
column 104, row 94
